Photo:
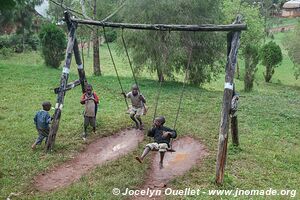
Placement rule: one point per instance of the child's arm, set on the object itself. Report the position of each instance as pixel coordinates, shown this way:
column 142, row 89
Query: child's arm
column 172, row 132
column 96, row 98
column 151, row 132
column 83, row 99
column 142, row 98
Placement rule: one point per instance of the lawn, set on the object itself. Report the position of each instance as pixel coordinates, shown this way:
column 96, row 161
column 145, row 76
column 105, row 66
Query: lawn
column 268, row 157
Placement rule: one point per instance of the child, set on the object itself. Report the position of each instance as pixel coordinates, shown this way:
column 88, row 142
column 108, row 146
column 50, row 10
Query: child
column 91, row 100
column 161, row 135
column 137, row 109
column 41, row 121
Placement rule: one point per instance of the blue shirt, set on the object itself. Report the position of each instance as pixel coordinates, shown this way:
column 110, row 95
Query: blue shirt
column 42, row 119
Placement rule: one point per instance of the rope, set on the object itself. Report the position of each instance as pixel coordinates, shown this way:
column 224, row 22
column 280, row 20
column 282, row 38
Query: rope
column 125, row 47
column 183, row 86
column 160, row 86
column 156, row 100
column 112, row 59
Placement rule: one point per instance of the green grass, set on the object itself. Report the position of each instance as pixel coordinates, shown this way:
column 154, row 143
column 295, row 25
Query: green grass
column 278, row 22
column 269, row 128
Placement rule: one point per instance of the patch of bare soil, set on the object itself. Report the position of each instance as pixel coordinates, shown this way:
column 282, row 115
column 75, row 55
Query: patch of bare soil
column 188, row 153
column 95, row 154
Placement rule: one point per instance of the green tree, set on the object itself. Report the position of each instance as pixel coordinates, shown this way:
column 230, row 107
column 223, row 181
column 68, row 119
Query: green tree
column 251, row 57
column 292, row 44
column 271, row 56
column 165, row 53
column 20, row 14
column 53, row 42
column 251, row 39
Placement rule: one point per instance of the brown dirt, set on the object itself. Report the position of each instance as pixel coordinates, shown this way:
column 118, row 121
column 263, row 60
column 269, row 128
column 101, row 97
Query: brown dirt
column 96, row 153
column 188, row 153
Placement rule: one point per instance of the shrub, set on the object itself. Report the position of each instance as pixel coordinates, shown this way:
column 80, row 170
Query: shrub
column 271, row 56
column 5, row 52
column 251, row 60
column 53, row 42
column 15, row 42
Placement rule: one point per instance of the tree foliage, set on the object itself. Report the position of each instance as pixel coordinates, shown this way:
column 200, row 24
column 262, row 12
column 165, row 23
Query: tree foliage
column 167, row 52
column 292, row 44
column 53, row 41
column 251, row 56
column 271, row 56
column 20, row 13
column 251, row 39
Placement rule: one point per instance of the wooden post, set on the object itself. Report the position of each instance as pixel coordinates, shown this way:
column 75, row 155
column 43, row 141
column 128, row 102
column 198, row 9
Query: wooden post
column 234, row 120
column 232, row 44
column 234, row 131
column 79, row 63
column 62, row 89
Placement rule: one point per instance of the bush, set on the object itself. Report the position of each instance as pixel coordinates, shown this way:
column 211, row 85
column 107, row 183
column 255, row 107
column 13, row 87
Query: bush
column 15, row 42
column 5, row 52
column 53, row 41
column 271, row 56
column 251, row 57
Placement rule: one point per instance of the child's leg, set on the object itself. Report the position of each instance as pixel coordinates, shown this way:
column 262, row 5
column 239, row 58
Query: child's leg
column 38, row 140
column 162, row 150
column 138, row 117
column 93, row 124
column 144, row 154
column 132, row 116
column 85, row 125
column 162, row 155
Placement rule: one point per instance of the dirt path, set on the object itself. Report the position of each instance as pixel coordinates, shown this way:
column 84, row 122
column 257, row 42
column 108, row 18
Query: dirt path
column 96, row 153
column 188, row 153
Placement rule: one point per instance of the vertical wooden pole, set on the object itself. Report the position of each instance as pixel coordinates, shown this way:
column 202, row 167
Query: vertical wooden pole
column 62, row 87
column 232, row 44
column 79, row 63
column 234, row 131
column 234, row 123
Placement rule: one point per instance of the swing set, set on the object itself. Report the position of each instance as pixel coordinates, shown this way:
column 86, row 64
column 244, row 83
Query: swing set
column 233, row 39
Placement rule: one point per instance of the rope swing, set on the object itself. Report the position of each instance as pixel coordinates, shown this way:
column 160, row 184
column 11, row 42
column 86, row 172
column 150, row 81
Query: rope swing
column 112, row 59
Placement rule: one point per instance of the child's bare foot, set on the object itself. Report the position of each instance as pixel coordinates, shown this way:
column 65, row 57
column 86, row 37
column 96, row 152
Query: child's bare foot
column 139, row 159
column 33, row 147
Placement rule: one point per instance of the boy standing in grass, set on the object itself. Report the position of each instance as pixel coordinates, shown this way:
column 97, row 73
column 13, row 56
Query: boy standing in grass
column 90, row 100
column 41, row 121
column 161, row 135
column 138, row 105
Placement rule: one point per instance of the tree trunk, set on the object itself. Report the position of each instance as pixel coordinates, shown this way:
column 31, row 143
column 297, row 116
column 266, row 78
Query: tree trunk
column 97, row 70
column 268, row 74
column 160, row 75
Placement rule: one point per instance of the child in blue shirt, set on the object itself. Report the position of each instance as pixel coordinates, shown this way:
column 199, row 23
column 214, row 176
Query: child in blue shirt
column 41, row 121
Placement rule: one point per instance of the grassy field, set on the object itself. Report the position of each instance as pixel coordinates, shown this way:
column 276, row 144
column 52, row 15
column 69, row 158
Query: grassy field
column 268, row 157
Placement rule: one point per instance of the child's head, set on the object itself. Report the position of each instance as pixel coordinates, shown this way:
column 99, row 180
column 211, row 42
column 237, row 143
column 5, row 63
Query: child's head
column 134, row 89
column 46, row 105
column 89, row 88
column 159, row 121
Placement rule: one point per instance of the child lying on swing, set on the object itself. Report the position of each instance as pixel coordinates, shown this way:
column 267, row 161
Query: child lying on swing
column 162, row 136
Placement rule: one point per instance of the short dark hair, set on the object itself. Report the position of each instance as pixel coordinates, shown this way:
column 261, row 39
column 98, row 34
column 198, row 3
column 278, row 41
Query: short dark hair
column 46, row 105
column 135, row 87
column 89, row 86
column 161, row 119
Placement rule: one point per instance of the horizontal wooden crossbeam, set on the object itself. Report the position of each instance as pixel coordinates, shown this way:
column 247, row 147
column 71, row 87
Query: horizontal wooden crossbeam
column 164, row 27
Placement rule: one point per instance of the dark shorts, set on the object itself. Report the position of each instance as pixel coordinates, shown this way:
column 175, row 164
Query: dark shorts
column 90, row 121
column 43, row 133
